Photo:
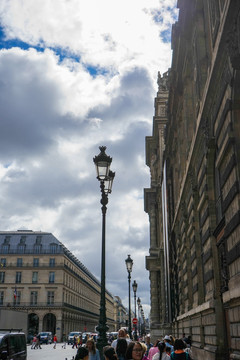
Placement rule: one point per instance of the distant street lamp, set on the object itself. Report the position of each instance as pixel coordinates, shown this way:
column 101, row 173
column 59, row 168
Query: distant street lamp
column 134, row 286
column 129, row 264
column 139, row 323
column 105, row 176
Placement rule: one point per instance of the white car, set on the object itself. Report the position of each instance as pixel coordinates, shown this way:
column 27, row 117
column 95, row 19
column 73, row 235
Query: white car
column 71, row 336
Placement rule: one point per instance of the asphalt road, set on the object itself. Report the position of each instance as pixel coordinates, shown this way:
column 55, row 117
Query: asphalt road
column 48, row 353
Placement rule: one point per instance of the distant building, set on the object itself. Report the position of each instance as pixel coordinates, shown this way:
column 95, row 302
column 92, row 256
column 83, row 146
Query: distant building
column 121, row 313
column 193, row 202
column 40, row 275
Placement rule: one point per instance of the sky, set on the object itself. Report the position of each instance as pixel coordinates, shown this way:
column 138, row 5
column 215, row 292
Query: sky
column 76, row 75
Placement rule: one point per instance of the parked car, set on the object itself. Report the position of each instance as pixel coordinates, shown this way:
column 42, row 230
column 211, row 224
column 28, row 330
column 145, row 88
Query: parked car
column 45, row 337
column 71, row 336
column 13, row 346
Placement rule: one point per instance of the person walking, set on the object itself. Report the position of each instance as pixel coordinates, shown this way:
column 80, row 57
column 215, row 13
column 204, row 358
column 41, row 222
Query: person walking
column 167, row 341
column 110, row 353
column 179, row 353
column 153, row 350
column 134, row 351
column 34, row 342
column 64, row 341
column 144, row 346
column 93, row 352
column 75, row 342
column 38, row 343
column 122, row 334
column 121, row 348
column 149, row 344
column 55, row 341
column 162, row 355
column 82, row 353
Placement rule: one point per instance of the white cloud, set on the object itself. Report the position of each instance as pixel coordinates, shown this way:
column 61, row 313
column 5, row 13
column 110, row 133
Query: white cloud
column 90, row 80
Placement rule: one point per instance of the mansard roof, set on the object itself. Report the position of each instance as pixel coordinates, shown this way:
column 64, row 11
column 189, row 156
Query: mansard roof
column 28, row 242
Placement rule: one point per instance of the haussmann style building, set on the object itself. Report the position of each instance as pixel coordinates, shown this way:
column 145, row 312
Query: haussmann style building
column 41, row 276
column 193, row 201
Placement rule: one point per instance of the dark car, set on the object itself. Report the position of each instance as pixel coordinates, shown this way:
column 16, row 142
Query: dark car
column 13, row 346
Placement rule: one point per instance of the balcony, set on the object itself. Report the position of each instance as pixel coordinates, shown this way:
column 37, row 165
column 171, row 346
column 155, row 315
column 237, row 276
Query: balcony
column 29, row 304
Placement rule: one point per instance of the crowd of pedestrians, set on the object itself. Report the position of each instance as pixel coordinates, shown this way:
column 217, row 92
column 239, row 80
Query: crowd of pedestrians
column 123, row 348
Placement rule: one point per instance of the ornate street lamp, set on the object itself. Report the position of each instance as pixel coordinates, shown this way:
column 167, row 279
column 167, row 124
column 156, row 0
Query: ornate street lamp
column 105, row 176
column 129, row 264
column 134, row 286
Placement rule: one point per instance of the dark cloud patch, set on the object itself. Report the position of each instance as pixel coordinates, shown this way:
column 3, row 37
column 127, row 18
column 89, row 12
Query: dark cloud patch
column 133, row 98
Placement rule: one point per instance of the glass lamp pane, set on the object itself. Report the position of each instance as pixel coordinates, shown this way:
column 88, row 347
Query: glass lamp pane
column 102, row 168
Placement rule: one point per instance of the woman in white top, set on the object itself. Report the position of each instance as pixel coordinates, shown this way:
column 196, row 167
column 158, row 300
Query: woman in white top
column 162, row 355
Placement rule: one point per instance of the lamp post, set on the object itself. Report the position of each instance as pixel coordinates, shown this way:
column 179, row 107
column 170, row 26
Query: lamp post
column 139, row 324
column 105, row 176
column 129, row 264
column 134, row 286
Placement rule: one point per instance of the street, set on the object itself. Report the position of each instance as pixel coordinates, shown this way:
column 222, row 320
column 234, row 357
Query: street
column 48, row 353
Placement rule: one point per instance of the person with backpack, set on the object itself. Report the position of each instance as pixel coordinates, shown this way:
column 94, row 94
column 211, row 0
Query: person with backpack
column 179, row 353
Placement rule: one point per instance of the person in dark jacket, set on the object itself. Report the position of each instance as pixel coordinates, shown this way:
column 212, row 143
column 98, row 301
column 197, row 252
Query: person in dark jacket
column 121, row 348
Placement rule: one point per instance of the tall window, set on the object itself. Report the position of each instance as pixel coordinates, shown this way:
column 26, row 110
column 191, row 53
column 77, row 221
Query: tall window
column 1, row 297
column 33, row 298
column 5, row 248
column 53, row 248
column 22, row 245
column 19, row 262
column 18, row 277
column 52, row 262
column 34, row 277
column 2, row 276
column 51, row 276
column 37, row 248
column 35, row 262
column 50, row 297
column 3, row 262
column 17, row 300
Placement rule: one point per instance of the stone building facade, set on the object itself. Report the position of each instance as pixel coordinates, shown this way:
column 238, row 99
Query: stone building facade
column 193, row 202
column 40, row 275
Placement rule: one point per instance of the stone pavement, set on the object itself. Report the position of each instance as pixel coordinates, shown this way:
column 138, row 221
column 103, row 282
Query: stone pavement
column 48, row 353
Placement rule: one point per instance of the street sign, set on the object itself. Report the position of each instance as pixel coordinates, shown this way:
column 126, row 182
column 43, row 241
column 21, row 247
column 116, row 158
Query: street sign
column 135, row 321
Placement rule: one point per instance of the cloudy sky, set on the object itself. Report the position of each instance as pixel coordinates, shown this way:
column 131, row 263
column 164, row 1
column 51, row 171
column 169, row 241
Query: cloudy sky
column 75, row 75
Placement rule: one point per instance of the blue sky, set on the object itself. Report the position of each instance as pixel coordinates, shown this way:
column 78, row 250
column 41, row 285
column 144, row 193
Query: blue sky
column 74, row 76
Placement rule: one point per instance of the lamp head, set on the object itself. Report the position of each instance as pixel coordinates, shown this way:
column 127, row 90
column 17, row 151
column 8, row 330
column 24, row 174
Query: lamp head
column 108, row 182
column 129, row 263
column 134, row 286
column 102, row 162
